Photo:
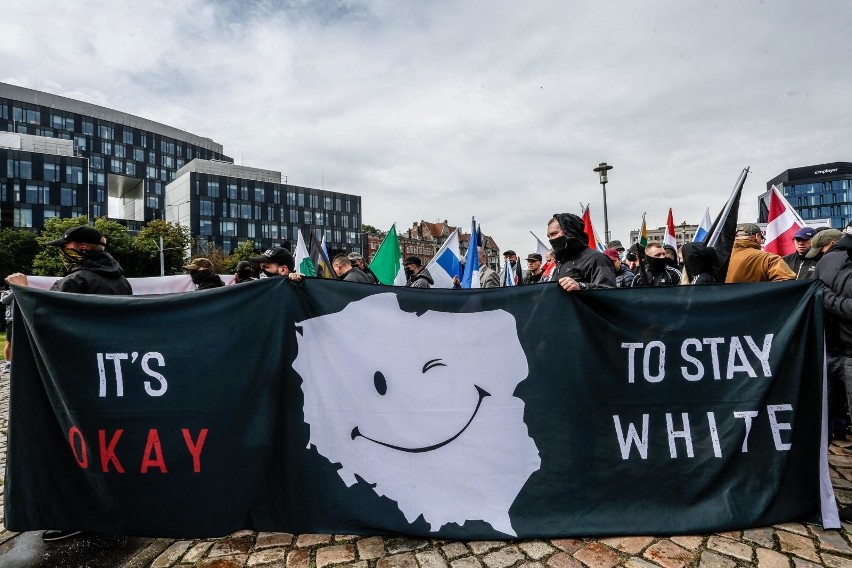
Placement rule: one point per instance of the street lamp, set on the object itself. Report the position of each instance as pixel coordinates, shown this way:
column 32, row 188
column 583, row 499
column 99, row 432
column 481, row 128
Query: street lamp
column 602, row 169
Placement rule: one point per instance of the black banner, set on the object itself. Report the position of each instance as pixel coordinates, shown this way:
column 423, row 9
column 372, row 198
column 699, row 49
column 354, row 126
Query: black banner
column 330, row 407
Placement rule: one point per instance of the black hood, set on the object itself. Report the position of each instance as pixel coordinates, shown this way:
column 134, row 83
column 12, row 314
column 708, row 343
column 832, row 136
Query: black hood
column 845, row 243
column 572, row 226
column 100, row 262
column 698, row 258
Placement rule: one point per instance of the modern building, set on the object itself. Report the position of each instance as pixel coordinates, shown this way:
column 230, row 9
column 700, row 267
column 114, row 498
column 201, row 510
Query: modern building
column 683, row 234
column 53, row 146
column 818, row 192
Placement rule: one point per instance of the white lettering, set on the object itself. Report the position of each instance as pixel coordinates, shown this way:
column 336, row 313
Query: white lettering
column 714, row 435
column 762, row 354
column 778, row 426
column 746, row 415
column 147, row 370
column 685, row 434
column 714, row 342
column 699, row 367
column 116, row 359
column 631, row 365
column 661, row 362
column 632, row 437
column 737, row 352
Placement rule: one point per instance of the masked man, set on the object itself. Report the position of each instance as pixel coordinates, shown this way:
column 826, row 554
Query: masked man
column 578, row 267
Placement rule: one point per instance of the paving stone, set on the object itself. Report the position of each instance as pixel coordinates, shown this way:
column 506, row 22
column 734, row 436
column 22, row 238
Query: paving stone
column 833, row 561
column 596, row 555
column 536, row 549
column 466, row 562
column 503, row 557
column 840, row 461
column 730, row 534
column 299, row 558
column 798, row 545
column 338, row 554
column 237, row 561
column 270, row 539
column 344, row 537
column 628, row 544
column 267, row 556
column 404, row 544
column 455, row 549
column 799, row 563
column 370, row 548
column 794, row 528
column 229, row 546
column 483, row 546
column 713, row 560
column 569, row 545
column 763, row 537
column 668, row 555
column 197, row 552
column 730, row 547
column 563, row 560
column 405, row 560
column 771, row 559
column 431, row 559
column 688, row 542
column 171, row 554
column 639, row 563
column 530, row 565
column 832, row 540
column 305, row 540
column 360, row 564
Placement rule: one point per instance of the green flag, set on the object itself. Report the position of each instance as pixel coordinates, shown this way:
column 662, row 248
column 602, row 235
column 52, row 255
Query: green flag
column 387, row 264
column 303, row 259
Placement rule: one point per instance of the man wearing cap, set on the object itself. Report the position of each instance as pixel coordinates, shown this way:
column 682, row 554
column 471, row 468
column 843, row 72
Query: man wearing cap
column 358, row 262
column 346, row 271
column 418, row 275
column 749, row 263
column 616, row 244
column 797, row 261
column 201, row 272
column 276, row 262
column 90, row 271
column 623, row 276
column 510, row 259
column 534, row 269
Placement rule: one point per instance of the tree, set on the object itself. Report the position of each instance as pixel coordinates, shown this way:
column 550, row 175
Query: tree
column 119, row 244
column 244, row 251
column 146, row 245
column 368, row 229
column 48, row 262
column 18, row 248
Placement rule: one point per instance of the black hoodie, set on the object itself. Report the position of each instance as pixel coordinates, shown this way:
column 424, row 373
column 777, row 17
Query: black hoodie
column 835, row 270
column 590, row 268
column 97, row 273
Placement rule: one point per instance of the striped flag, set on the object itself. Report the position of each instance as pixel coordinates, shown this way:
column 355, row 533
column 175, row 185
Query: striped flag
column 303, row 259
column 669, row 237
column 446, row 263
column 782, row 224
column 471, row 264
column 703, row 228
column 643, row 233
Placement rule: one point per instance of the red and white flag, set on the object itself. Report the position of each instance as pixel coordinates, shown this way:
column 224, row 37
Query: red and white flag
column 590, row 231
column 669, row 237
column 781, row 226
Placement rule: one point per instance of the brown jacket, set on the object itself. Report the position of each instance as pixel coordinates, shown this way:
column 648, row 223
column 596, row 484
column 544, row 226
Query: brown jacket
column 750, row 264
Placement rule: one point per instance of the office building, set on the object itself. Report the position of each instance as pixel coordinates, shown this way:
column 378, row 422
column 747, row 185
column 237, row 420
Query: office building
column 819, row 193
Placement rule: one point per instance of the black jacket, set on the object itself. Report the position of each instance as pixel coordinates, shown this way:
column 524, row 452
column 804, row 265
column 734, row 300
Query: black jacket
column 356, row 275
column 835, row 270
column 420, row 280
column 98, row 273
column 590, row 268
column 208, row 280
column 803, row 267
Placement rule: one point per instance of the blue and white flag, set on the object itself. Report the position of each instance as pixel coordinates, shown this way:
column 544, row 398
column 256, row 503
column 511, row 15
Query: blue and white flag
column 471, row 263
column 540, row 247
column 446, row 263
column 703, row 228
column 509, row 279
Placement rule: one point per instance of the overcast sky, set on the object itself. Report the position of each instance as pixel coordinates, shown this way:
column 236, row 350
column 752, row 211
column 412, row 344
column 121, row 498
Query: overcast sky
column 495, row 109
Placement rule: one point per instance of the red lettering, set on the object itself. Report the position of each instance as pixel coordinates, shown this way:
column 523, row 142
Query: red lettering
column 195, row 448
column 75, row 432
column 108, row 452
column 153, row 446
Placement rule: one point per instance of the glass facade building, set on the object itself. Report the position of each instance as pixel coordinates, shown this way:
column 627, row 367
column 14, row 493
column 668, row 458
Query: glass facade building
column 822, row 191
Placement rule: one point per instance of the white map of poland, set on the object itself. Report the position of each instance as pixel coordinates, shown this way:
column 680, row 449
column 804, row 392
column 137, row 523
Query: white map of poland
column 421, row 407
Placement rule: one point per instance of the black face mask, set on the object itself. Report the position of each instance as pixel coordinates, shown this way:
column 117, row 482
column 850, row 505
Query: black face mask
column 408, row 273
column 244, row 274
column 657, row 265
column 198, row 276
column 270, row 274
column 565, row 248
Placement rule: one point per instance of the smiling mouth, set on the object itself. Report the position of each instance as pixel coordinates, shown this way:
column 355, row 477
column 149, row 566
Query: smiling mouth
column 482, row 394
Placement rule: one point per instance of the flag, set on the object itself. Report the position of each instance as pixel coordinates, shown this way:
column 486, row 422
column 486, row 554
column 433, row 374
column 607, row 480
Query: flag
column 471, row 263
column 303, row 259
column 669, row 237
column 446, row 263
column 509, row 279
column 540, row 247
column 546, row 266
column 643, row 233
column 590, row 231
column 387, row 264
column 782, row 224
column 324, row 247
column 322, row 265
column 724, row 229
column 703, row 228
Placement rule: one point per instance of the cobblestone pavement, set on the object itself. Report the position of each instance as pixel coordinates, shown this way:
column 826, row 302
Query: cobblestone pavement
column 790, row 545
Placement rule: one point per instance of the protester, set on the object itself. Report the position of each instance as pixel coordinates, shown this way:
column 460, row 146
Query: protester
column 632, row 258
column 418, row 275
column 277, row 261
column 659, row 270
column 243, row 272
column 616, row 244
column 623, row 277
column 749, row 263
column 822, row 242
column 358, row 261
column 698, row 263
column 797, row 261
column 91, row 270
column 510, row 259
column 577, row 266
column 201, row 272
column 671, row 256
column 534, row 270
column 8, row 300
column 548, row 266
column 346, row 271
column 487, row 277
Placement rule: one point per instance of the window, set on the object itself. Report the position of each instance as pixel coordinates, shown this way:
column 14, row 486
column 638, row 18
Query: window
column 98, row 162
column 127, row 137
column 337, row 204
column 23, row 218
column 120, row 151
column 151, row 172
column 130, row 169
column 244, row 192
column 168, row 162
column 294, row 216
column 251, row 230
column 329, row 203
column 314, row 201
column 116, row 166
column 167, row 147
column 276, row 197
column 229, row 229
column 26, row 115
column 152, row 157
column 52, row 172
column 245, row 211
column 233, row 190
column 106, row 132
column 68, row 196
column 318, row 216
column 301, row 199
column 25, row 169
column 234, row 210
column 106, row 148
column 345, row 221
column 139, row 154
column 205, row 227
column 270, row 213
column 308, row 217
column 153, row 202
column 258, row 195
column 291, row 198
column 213, row 188
column 205, row 207
column 37, row 193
